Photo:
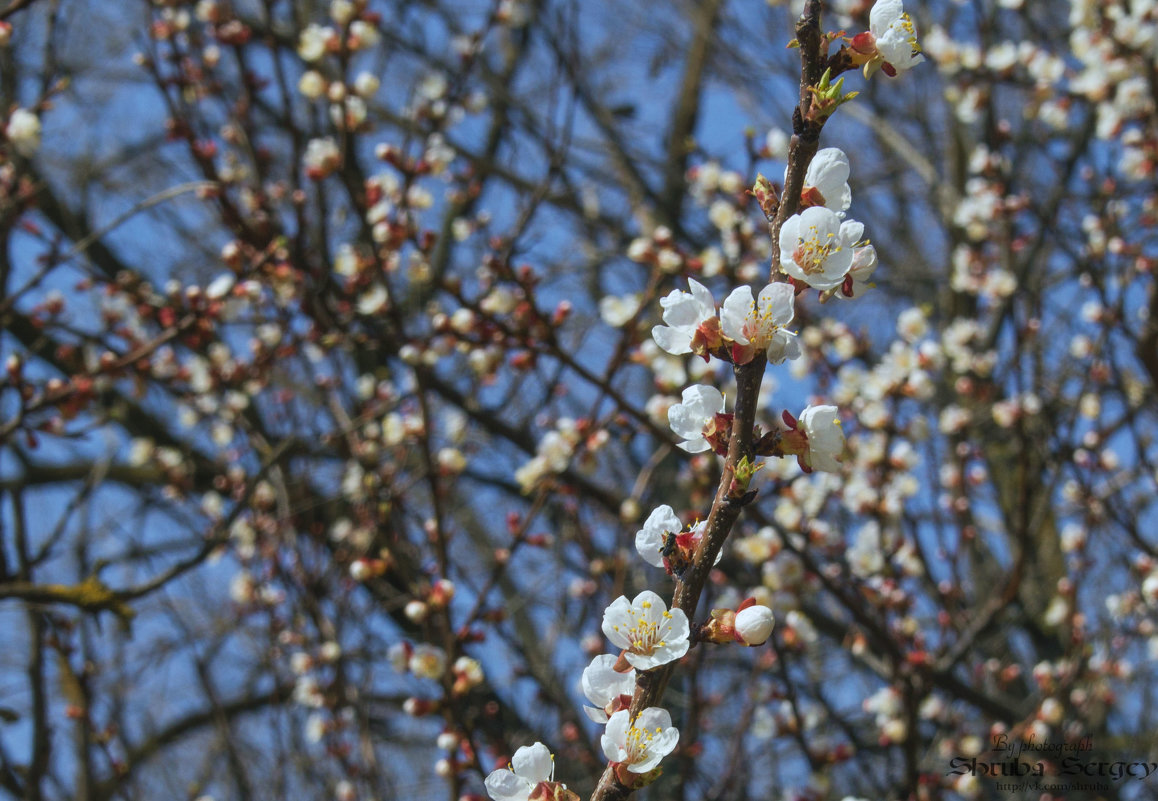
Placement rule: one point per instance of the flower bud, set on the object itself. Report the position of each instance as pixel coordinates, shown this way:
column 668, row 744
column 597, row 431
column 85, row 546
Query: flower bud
column 754, row 624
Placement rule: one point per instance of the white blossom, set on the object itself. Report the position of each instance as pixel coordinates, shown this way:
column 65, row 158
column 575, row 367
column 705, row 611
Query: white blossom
column 821, row 425
column 322, row 156
column 23, row 131
column 650, row 635
column 641, row 743
column 896, row 37
column 617, row 311
column 530, row 766
column 684, row 313
column 827, row 175
column 762, row 323
column 817, row 248
column 649, row 540
column 313, row 42
column 698, row 407
column 604, row 686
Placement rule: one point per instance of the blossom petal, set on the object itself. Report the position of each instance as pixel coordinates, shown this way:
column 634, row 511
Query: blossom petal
column 686, row 422
column 703, row 297
column 851, row 232
column 735, row 312
column 597, row 715
column 653, row 717
column 602, row 684
column 675, row 341
column 680, row 309
column 828, row 173
column 694, row 446
column 503, row 785
column 614, row 737
column 777, row 302
column 782, row 347
column 617, row 614
column 883, row 14
column 649, row 601
column 533, row 762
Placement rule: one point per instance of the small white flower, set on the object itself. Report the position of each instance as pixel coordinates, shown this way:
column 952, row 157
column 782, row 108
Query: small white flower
column 865, row 557
column 371, row 301
column 363, row 35
column 649, row 540
column 313, row 42
column 322, row 156
column 23, row 131
column 821, row 425
column 761, row 324
column 348, row 114
column 427, row 662
column 604, row 686
column 754, row 624
column 698, row 408
column 650, row 635
column 641, row 743
column 617, row 311
column 342, row 11
column 817, row 248
column 530, row 766
column 684, row 313
column 312, row 84
column 896, row 37
column 366, row 84
column 826, row 181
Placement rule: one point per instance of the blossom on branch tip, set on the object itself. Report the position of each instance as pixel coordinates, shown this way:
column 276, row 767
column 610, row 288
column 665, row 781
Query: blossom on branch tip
column 817, row 248
column 530, row 775
column 890, row 43
column 649, row 634
column 606, row 687
column 692, row 326
column 896, row 37
column 641, row 743
column 696, row 417
column 761, row 325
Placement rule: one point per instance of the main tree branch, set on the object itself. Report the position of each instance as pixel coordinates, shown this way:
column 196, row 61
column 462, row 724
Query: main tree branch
column 650, row 685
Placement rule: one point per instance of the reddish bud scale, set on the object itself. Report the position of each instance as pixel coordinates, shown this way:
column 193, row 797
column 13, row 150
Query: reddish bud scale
column 864, row 44
column 523, row 361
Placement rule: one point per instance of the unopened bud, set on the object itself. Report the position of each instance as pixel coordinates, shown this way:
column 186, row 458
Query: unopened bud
column 416, row 611
column 754, row 625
